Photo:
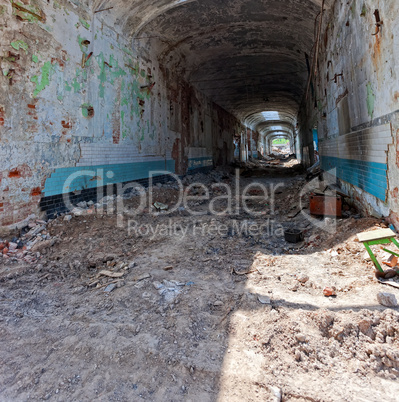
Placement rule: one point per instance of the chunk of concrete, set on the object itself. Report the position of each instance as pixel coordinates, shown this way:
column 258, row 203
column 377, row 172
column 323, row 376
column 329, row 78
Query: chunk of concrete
column 387, row 299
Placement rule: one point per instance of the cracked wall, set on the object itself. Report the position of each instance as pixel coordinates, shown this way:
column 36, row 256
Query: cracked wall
column 77, row 96
column 355, row 103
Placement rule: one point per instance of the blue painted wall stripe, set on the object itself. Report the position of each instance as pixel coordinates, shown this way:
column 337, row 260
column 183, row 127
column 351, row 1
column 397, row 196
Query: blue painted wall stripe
column 369, row 176
column 121, row 173
column 196, row 163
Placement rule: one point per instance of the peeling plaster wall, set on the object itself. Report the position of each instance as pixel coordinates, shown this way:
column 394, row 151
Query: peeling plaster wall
column 76, row 96
column 357, row 98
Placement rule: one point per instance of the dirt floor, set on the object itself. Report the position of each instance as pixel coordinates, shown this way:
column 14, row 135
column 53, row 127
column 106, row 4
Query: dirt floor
column 203, row 309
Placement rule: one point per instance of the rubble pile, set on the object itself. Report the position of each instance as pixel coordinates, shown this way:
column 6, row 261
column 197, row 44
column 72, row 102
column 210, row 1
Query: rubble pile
column 34, row 237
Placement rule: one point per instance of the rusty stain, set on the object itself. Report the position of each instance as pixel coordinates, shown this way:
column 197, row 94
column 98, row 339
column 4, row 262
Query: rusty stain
column 66, row 124
column 56, row 60
column 379, row 23
column 2, row 115
column 36, row 192
column 21, row 171
column 41, row 17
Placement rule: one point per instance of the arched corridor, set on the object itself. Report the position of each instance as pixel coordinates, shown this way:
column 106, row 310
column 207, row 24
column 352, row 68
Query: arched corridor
column 129, row 115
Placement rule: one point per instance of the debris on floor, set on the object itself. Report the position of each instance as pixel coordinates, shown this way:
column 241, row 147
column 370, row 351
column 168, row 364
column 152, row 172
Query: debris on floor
column 228, row 313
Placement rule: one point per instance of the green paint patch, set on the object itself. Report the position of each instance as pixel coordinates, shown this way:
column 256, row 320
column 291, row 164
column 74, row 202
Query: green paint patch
column 370, row 100
column 127, row 51
column 68, row 87
column 27, row 13
column 364, row 11
column 35, row 59
column 84, row 23
column 75, row 85
column 124, row 132
column 56, row 5
column 114, row 72
column 20, row 44
column 43, row 81
column 87, row 110
column 102, row 76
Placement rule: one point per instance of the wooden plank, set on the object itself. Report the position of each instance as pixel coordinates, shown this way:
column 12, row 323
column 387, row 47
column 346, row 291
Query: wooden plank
column 375, row 235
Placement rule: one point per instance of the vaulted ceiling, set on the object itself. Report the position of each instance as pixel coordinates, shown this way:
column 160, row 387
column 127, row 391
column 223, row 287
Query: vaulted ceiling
column 248, row 56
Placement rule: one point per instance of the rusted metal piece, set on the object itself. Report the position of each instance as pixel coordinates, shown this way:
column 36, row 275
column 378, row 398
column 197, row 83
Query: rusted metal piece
column 335, row 79
column 86, row 59
column 147, row 88
column 379, row 23
column 325, row 205
column 10, row 75
column 131, row 67
column 25, row 10
column 103, row 9
column 11, row 57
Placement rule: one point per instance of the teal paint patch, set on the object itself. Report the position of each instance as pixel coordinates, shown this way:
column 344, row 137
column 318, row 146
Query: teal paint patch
column 102, row 76
column 197, row 163
column 369, row 176
column 35, row 59
column 84, row 23
column 20, row 44
column 44, row 80
column 91, row 176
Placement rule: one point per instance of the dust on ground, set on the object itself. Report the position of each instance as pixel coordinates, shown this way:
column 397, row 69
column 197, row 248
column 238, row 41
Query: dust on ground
column 200, row 310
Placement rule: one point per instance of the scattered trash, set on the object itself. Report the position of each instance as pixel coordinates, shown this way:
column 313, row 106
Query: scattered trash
column 293, row 235
column 264, row 299
column 374, row 237
column 391, row 261
column 169, row 290
column 234, row 271
column 302, row 278
column 78, row 211
column 301, row 338
column 168, row 268
column 67, row 218
column 160, row 206
column 142, row 277
column 110, row 288
column 389, row 283
column 329, row 292
column 323, row 204
column 110, row 274
column 387, row 299
column 277, row 393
